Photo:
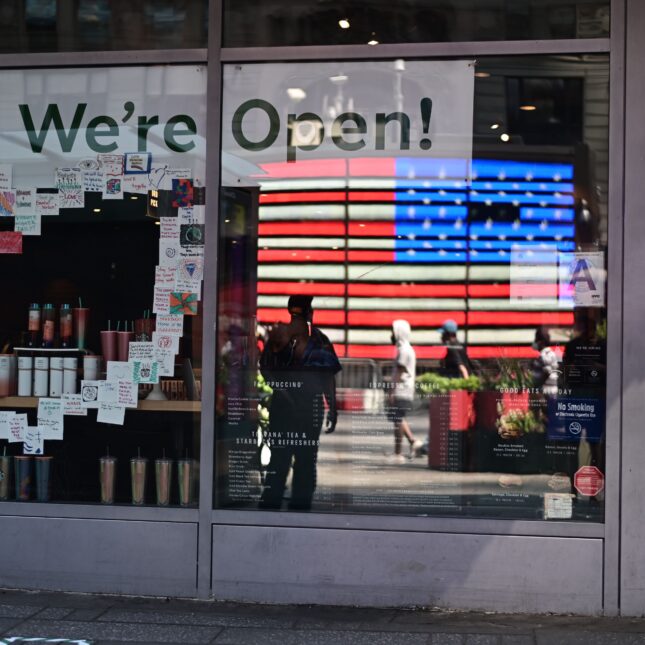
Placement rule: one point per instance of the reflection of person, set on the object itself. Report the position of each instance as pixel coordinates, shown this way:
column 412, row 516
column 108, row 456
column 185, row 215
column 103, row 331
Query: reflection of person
column 299, row 363
column 544, row 369
column 455, row 363
column 403, row 375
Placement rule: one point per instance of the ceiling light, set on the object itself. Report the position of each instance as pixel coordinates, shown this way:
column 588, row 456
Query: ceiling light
column 339, row 79
column 482, row 74
column 296, row 93
column 96, row 210
column 343, row 23
column 494, row 126
column 528, row 108
column 504, row 137
column 372, row 42
column 133, row 197
column 157, row 223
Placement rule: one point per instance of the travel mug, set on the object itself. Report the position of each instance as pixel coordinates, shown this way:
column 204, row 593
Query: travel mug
column 108, row 345
column 5, row 374
column 22, row 476
column 185, row 477
column 107, row 467
column 70, row 375
column 163, row 476
column 138, row 472
column 80, row 316
column 123, row 342
column 41, row 376
column 5, row 474
column 25, row 375
column 91, row 366
column 143, row 328
column 56, row 364
column 43, row 477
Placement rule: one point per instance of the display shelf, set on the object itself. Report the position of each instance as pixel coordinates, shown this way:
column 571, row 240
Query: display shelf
column 51, row 350
column 29, row 402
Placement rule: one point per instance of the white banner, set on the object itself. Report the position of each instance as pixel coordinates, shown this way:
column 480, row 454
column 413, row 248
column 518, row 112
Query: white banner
column 296, row 112
column 66, row 118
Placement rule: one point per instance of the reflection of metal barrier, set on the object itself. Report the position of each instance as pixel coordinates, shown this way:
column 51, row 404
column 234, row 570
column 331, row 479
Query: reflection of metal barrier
column 358, row 385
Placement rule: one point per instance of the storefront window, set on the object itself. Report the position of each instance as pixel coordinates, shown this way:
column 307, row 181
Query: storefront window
column 412, row 287
column 281, row 23
column 101, row 253
column 110, row 25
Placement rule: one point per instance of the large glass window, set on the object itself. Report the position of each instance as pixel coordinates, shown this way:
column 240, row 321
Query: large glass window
column 101, row 256
column 109, row 25
column 279, row 22
column 412, row 287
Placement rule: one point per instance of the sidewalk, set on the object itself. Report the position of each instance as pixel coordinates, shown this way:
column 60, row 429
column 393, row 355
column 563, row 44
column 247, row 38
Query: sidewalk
column 107, row 620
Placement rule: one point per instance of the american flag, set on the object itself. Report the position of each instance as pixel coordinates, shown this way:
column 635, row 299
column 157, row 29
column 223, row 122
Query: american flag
column 376, row 239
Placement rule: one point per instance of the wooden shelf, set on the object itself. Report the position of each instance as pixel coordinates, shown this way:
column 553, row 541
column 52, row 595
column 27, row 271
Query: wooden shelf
column 31, row 402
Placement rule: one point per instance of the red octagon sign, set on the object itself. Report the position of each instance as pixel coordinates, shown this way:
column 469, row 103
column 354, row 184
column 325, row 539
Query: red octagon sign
column 589, row 481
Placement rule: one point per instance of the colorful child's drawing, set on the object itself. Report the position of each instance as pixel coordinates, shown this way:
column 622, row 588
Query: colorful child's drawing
column 182, row 193
column 184, row 303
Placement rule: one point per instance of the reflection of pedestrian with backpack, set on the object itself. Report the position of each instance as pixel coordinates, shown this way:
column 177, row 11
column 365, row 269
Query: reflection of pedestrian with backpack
column 402, row 393
column 455, row 364
column 299, row 363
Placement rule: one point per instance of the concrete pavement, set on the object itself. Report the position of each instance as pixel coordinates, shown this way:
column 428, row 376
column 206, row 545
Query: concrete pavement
column 107, row 620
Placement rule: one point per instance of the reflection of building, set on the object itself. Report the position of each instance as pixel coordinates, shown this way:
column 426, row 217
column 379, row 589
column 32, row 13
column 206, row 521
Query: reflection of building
column 376, row 239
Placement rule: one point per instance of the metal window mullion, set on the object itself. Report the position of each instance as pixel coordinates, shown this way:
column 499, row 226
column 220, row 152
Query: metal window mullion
column 103, row 58
column 615, row 306
column 415, row 50
column 209, row 335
